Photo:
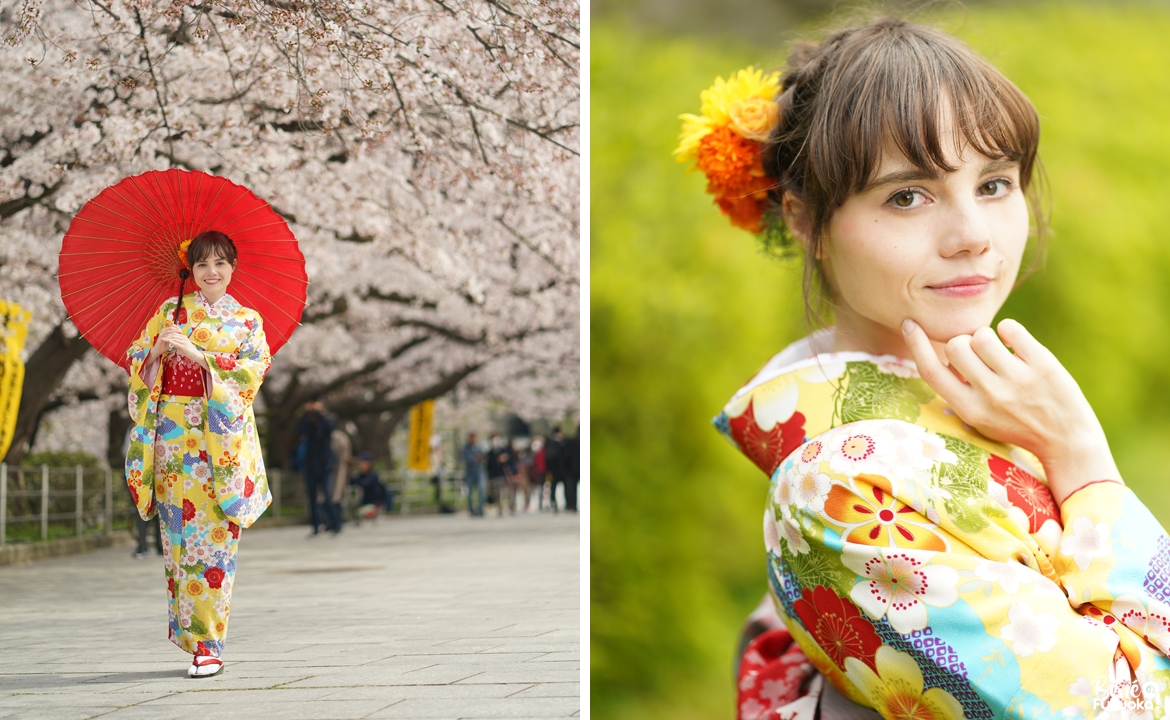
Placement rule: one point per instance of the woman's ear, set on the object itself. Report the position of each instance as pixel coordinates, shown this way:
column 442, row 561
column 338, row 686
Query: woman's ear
column 796, row 218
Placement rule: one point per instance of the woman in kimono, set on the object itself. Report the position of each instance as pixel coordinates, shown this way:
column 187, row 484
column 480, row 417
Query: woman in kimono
column 194, row 454
column 947, row 532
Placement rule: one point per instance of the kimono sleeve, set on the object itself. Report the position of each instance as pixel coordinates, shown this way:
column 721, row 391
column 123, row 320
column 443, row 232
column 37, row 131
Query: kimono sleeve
column 235, row 379
column 1115, row 555
column 142, row 375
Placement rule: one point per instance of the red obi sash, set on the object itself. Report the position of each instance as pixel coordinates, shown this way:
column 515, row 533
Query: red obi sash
column 182, row 376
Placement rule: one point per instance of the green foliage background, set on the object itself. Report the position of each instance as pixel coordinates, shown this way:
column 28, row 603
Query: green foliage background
column 685, row 309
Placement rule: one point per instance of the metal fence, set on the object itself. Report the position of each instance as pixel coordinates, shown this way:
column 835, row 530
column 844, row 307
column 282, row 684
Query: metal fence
column 61, row 501
column 43, row 503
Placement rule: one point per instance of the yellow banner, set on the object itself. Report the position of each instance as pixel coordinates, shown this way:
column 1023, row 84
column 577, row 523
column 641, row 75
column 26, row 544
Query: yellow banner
column 13, row 330
column 422, row 418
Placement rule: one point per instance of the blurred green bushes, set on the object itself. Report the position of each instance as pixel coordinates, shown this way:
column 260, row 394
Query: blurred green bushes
column 685, row 309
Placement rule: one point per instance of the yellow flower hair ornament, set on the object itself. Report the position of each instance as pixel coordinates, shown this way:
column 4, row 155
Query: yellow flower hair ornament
column 724, row 142
column 182, row 251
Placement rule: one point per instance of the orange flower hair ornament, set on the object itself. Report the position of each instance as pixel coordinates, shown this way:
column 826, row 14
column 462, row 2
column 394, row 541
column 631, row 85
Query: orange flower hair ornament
column 725, row 143
column 183, row 252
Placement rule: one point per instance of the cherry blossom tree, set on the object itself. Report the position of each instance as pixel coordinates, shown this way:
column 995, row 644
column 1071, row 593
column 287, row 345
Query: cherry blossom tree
column 424, row 152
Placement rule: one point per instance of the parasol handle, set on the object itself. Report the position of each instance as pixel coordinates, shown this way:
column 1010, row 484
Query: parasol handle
column 183, row 275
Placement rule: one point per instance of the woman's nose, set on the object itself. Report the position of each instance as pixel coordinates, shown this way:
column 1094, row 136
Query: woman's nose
column 968, row 230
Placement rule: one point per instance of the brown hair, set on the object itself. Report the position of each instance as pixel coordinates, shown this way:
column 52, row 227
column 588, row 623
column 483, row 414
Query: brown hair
column 846, row 100
column 209, row 243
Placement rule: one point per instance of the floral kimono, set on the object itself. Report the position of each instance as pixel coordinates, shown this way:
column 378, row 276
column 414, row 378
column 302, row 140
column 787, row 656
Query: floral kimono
column 920, row 567
column 195, row 460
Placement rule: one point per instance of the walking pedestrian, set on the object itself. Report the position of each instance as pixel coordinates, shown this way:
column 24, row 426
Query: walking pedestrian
column 473, row 477
column 315, row 430
column 342, row 449
column 554, row 457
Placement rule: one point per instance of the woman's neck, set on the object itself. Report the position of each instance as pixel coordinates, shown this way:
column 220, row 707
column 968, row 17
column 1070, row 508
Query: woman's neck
column 854, row 333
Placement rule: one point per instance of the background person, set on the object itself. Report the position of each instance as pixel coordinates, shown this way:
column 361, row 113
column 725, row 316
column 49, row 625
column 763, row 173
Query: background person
column 342, row 448
column 315, row 430
column 473, row 476
column 375, row 495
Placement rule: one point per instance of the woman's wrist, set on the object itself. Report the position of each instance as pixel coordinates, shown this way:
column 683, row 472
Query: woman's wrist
column 1081, row 463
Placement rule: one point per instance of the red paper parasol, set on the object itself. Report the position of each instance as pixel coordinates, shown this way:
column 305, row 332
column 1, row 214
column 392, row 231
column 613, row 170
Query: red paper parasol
column 119, row 260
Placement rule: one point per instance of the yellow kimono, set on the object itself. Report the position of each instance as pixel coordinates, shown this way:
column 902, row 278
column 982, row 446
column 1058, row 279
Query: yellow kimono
column 196, row 460
column 923, row 567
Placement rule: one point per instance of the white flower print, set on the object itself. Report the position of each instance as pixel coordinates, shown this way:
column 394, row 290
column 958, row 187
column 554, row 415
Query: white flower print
column 999, row 494
column 771, row 533
column 913, row 450
column 1086, row 542
column 898, row 367
column 899, row 583
column 782, row 495
column 790, row 531
column 856, row 453
column 810, row 490
column 809, row 457
column 201, row 471
column 1028, row 631
column 1009, row 575
column 753, row 709
column 747, row 682
column 1152, row 622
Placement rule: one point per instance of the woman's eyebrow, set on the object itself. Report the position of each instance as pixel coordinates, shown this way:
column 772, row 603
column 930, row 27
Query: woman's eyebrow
column 999, row 166
column 902, row 176
column 919, row 175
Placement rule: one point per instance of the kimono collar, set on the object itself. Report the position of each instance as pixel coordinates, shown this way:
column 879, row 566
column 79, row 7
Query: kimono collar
column 223, row 307
column 806, row 390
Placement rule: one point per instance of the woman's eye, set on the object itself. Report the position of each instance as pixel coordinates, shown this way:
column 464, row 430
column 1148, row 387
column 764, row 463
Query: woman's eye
column 906, row 199
column 994, row 188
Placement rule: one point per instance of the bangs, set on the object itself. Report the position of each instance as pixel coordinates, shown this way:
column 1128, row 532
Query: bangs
column 210, row 243
column 894, row 90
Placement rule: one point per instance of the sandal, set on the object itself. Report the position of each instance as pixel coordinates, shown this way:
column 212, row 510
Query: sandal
column 204, row 666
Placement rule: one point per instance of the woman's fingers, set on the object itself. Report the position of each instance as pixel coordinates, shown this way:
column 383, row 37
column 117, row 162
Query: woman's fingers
column 1027, row 348
column 938, row 376
column 992, row 352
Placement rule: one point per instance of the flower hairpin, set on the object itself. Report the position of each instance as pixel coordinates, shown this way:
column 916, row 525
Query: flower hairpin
column 725, row 143
column 182, row 251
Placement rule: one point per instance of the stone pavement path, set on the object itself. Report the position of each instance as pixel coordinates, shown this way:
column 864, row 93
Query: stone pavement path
column 416, row 617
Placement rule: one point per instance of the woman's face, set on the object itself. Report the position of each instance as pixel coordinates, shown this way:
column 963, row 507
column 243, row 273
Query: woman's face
column 941, row 250
column 212, row 275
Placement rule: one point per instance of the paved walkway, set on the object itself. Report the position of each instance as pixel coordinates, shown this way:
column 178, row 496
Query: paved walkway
column 417, row 617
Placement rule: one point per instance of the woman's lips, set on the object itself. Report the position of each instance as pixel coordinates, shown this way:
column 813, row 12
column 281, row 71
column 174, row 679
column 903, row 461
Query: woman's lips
column 963, row 286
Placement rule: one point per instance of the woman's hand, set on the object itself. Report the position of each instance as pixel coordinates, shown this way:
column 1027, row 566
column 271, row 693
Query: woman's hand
column 173, row 336
column 1026, row 399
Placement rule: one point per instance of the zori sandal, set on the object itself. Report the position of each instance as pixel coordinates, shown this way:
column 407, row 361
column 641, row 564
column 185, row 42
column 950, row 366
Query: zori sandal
column 204, row 666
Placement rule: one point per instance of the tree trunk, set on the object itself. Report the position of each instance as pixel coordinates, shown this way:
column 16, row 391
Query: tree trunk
column 43, row 373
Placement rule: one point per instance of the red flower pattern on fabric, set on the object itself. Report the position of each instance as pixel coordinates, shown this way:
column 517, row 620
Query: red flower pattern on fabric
column 234, row 530
column 225, row 362
column 249, row 487
column 1025, row 492
column 214, row 577
column 182, row 316
column 171, row 586
column 838, row 626
column 767, row 448
column 188, row 511
column 773, row 672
